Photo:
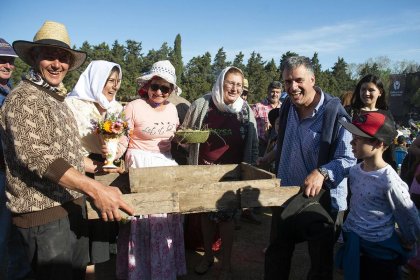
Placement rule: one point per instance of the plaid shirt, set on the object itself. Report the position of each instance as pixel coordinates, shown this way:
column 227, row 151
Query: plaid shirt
column 261, row 110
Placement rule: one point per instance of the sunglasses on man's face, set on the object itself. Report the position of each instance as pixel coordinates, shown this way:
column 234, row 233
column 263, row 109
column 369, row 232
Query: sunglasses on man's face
column 163, row 89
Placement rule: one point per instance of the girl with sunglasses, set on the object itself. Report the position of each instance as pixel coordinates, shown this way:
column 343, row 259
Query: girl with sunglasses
column 152, row 246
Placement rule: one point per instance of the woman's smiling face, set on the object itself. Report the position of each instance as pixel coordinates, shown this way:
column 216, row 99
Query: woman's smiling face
column 232, row 87
column 112, row 85
column 369, row 94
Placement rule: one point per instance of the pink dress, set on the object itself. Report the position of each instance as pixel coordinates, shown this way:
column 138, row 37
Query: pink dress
column 151, row 246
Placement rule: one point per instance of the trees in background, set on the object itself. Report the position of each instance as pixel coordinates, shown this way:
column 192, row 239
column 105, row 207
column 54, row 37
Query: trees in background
column 198, row 75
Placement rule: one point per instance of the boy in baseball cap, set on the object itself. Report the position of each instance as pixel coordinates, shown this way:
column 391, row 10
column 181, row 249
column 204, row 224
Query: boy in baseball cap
column 379, row 200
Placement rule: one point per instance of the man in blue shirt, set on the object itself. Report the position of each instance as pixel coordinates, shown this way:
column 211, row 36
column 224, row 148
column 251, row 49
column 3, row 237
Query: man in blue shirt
column 314, row 152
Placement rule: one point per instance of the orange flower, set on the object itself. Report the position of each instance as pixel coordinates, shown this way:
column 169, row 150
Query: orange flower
column 108, row 126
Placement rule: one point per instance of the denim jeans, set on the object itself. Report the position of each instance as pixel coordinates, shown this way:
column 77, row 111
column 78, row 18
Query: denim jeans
column 14, row 263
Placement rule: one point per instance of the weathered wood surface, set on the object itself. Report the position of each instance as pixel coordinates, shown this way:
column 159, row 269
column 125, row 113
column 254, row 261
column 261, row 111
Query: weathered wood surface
column 203, row 201
column 191, row 189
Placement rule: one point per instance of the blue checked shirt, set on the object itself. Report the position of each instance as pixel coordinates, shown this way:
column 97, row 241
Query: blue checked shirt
column 300, row 151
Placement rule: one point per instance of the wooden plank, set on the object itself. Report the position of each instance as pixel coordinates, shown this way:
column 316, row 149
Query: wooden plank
column 205, row 200
column 171, row 176
column 249, row 172
column 188, row 189
column 200, row 186
column 254, row 197
column 116, row 180
column 152, row 203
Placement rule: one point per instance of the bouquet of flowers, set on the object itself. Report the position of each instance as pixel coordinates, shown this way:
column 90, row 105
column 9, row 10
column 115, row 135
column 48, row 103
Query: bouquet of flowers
column 112, row 125
column 110, row 129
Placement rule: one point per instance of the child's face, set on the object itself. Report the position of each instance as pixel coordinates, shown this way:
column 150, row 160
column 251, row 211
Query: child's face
column 363, row 147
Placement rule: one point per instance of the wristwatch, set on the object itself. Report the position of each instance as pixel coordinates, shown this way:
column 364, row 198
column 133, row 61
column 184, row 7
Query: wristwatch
column 324, row 172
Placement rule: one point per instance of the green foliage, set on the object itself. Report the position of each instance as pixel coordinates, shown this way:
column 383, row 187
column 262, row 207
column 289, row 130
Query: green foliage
column 239, row 62
column 21, row 68
column 257, row 79
column 176, row 59
column 219, row 62
column 199, row 74
column 198, row 78
column 342, row 81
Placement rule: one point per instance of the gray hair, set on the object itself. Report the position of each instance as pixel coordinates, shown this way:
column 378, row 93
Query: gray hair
column 294, row 62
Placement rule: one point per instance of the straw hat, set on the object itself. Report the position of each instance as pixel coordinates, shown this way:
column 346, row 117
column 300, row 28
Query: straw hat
column 163, row 69
column 51, row 34
column 246, row 84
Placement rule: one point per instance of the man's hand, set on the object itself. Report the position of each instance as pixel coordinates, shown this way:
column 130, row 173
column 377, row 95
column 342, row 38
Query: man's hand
column 108, row 200
column 313, row 183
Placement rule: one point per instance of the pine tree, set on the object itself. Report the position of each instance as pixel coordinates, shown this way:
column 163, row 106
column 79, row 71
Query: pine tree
column 257, row 79
column 197, row 78
column 176, row 58
column 342, row 77
column 271, row 71
column 219, row 62
column 239, row 63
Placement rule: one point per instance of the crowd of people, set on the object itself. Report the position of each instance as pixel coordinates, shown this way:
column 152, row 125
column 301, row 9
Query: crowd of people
column 342, row 153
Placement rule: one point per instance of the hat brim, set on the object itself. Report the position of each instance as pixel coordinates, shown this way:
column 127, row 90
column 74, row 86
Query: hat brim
column 23, row 50
column 9, row 55
column 142, row 80
column 354, row 129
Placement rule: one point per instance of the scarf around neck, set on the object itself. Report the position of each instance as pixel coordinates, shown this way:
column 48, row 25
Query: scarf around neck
column 35, row 78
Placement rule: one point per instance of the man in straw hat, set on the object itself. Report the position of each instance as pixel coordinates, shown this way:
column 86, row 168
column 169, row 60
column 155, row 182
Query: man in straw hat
column 12, row 257
column 244, row 94
column 44, row 164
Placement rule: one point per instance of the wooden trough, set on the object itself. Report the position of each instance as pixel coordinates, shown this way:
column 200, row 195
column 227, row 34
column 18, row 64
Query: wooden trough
column 196, row 188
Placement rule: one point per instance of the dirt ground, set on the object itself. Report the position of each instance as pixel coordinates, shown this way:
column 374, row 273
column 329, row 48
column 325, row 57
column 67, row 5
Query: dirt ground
column 247, row 256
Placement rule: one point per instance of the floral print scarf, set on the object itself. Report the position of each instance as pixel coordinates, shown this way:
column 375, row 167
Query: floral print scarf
column 37, row 79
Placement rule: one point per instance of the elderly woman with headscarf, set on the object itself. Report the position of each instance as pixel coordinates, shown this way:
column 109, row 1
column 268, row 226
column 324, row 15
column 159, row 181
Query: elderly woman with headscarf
column 92, row 97
column 152, row 247
column 233, row 140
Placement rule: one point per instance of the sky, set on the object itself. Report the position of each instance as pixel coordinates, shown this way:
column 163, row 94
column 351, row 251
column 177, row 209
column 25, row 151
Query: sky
column 355, row 30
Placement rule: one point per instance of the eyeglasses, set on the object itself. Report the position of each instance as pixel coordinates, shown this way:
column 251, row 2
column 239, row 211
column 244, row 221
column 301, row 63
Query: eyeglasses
column 7, row 59
column 232, row 84
column 163, row 89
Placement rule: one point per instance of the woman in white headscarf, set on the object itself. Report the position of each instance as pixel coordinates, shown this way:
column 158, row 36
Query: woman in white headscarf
column 92, row 97
column 233, row 140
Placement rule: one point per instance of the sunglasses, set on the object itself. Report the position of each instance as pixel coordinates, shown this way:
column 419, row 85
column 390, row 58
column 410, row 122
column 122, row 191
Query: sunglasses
column 163, row 89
